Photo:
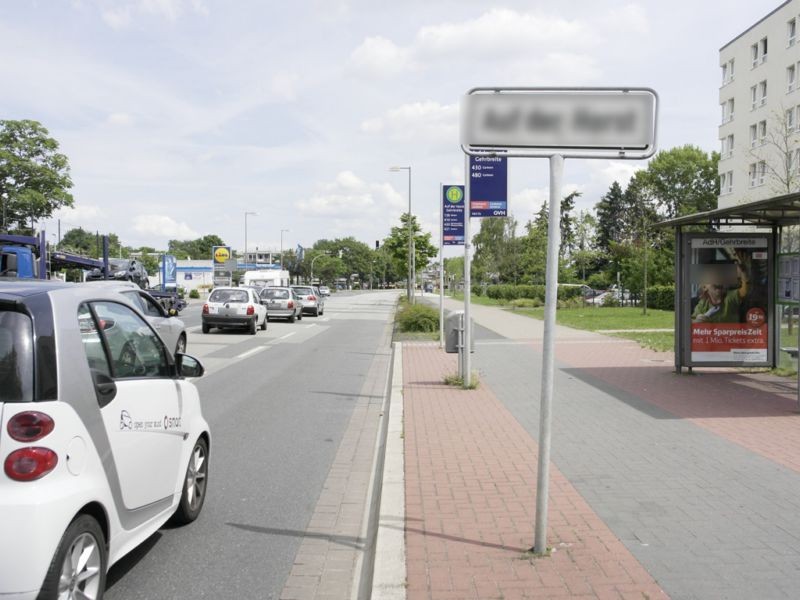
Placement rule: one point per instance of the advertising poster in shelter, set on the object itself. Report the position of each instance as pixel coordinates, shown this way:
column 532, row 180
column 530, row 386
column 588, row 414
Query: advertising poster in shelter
column 729, row 278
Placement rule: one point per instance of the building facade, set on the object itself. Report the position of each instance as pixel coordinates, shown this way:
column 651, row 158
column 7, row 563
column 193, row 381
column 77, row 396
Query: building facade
column 759, row 100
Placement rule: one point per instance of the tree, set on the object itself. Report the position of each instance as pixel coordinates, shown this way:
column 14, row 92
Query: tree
column 683, row 180
column 34, row 176
column 396, row 245
column 610, row 216
column 779, row 154
column 80, row 241
column 199, row 249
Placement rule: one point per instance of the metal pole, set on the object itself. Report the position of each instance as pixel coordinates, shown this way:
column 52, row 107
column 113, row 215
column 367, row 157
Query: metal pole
column 410, row 245
column 548, row 352
column 441, row 265
column 467, row 371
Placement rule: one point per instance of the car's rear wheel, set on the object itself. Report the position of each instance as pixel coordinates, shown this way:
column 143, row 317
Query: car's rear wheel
column 206, row 328
column 300, row 315
column 264, row 324
column 293, row 318
column 316, row 312
column 181, row 345
column 253, row 326
column 78, row 568
column 194, row 485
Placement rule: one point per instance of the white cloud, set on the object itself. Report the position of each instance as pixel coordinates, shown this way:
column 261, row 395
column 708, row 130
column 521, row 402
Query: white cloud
column 121, row 16
column 162, row 226
column 351, row 197
column 381, row 57
column 417, row 121
column 119, row 119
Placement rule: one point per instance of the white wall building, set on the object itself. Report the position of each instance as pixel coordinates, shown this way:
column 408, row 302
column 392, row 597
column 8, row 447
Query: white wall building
column 759, row 101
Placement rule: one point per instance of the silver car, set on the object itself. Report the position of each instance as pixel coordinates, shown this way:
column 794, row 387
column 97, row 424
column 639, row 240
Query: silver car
column 311, row 299
column 282, row 303
column 171, row 329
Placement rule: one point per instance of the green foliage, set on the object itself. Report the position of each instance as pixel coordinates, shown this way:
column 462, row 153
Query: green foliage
column 508, row 292
column 199, row 249
column 34, row 176
column 683, row 180
column 526, row 303
column 417, row 317
column 396, row 246
column 193, row 293
column 661, row 297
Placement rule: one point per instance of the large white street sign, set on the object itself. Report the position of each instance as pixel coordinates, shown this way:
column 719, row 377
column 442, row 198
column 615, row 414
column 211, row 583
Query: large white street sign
column 572, row 122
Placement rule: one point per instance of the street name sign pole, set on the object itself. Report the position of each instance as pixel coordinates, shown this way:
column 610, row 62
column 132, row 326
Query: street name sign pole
column 553, row 123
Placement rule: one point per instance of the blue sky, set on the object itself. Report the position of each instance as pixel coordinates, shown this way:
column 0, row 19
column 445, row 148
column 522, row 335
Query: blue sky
column 180, row 115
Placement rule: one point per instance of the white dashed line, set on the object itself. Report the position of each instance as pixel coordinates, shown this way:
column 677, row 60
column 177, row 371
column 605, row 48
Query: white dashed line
column 252, row 351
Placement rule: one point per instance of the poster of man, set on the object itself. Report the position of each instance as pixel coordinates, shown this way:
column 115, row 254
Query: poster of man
column 730, row 299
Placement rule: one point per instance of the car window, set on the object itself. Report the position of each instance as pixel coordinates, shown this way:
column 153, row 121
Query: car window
column 304, row 291
column 134, row 349
column 16, row 357
column 151, row 307
column 92, row 342
column 273, row 294
column 229, row 296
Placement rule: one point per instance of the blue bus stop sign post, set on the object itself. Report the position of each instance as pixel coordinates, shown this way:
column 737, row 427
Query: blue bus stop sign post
column 488, row 186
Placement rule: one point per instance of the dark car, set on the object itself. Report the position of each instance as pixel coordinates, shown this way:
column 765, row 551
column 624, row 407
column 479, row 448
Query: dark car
column 123, row 269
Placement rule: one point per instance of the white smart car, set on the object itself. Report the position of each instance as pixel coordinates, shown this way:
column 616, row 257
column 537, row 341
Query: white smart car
column 102, row 438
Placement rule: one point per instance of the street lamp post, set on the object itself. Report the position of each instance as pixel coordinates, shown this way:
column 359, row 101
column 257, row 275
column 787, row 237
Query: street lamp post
column 245, row 235
column 312, row 263
column 411, row 274
column 282, row 230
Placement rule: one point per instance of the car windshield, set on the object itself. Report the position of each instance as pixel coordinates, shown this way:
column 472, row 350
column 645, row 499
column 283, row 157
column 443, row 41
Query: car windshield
column 229, row 296
column 272, row 294
column 16, row 357
column 117, row 264
column 304, row 291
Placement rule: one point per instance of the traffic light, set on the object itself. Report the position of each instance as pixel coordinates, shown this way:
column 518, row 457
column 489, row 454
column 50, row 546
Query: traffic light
column 377, row 244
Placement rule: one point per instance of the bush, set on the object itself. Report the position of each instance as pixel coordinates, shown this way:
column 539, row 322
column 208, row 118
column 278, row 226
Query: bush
column 418, row 317
column 193, row 293
column 508, row 292
column 526, row 303
column 661, row 297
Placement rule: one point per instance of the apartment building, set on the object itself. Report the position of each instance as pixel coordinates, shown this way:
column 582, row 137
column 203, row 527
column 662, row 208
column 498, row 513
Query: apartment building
column 759, row 99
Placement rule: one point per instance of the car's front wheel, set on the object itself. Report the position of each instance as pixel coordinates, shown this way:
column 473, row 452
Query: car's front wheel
column 194, row 486
column 78, row 568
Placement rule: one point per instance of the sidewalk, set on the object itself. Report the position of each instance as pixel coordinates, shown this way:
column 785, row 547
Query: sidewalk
column 661, row 485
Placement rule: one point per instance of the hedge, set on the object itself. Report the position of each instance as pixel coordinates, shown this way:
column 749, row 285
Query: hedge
column 661, row 297
column 509, row 292
column 417, row 317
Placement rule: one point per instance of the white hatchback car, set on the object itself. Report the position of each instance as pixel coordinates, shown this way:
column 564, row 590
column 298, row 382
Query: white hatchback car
column 238, row 307
column 102, row 438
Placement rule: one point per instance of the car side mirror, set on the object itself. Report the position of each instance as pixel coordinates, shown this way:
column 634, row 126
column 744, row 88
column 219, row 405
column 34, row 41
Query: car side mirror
column 188, row 366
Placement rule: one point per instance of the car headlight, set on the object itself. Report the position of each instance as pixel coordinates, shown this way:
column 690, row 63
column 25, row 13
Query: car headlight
column 119, row 274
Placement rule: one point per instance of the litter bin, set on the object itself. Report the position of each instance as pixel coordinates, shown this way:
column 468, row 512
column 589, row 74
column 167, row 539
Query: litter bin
column 452, row 325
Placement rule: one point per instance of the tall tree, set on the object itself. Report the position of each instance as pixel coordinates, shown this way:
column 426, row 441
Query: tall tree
column 34, row 176
column 610, row 217
column 396, row 245
column 683, row 180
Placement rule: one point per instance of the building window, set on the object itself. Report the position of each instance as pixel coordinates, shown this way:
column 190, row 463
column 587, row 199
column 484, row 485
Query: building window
column 789, row 118
column 753, row 135
column 762, row 132
column 753, row 97
column 790, row 78
column 752, row 174
column 758, row 52
column 730, row 145
column 762, row 172
column 727, row 72
column 726, row 183
column 754, row 54
column 726, row 150
column 762, row 93
column 727, row 111
column 763, row 45
column 791, row 31
column 796, row 161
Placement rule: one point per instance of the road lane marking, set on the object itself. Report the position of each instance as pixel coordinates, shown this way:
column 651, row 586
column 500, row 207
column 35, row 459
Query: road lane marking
column 290, row 334
column 251, row 352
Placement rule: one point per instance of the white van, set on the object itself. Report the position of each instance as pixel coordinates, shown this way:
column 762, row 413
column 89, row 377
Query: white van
column 266, row 278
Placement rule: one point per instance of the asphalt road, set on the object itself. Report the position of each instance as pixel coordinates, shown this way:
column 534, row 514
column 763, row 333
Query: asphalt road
column 278, row 404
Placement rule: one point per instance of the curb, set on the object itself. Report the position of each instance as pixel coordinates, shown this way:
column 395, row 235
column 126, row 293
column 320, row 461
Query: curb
column 389, row 579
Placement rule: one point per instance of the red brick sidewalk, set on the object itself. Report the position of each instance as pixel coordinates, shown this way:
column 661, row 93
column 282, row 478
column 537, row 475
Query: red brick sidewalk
column 470, row 502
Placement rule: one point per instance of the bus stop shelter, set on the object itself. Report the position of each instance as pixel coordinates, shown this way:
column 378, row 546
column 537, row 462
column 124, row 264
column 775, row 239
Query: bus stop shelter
column 747, row 258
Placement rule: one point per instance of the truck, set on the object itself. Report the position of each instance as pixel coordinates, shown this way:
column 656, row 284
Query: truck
column 266, row 278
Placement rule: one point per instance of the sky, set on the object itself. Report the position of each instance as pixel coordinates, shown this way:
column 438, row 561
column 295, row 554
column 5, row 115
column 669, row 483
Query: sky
column 179, row 116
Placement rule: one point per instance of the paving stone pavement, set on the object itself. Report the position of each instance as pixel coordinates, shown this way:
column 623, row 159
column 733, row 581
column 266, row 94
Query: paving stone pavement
column 470, row 480
column 697, row 475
